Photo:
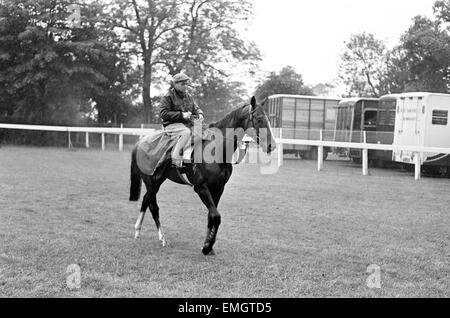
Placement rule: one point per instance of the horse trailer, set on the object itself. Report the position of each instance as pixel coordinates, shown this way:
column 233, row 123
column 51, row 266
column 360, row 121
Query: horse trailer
column 384, row 132
column 422, row 120
column 354, row 116
column 303, row 117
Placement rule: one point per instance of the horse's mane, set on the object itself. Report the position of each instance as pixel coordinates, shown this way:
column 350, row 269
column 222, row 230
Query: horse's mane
column 233, row 116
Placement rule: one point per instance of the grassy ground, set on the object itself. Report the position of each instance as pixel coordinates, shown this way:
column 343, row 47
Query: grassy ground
column 298, row 233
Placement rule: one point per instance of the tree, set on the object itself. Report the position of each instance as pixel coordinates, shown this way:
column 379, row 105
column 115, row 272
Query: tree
column 363, row 65
column 395, row 78
column 51, row 73
column 441, row 10
column 323, row 89
column 287, row 81
column 174, row 35
column 216, row 97
column 422, row 59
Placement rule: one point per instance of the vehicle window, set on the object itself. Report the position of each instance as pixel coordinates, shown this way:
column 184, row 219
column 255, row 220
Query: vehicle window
column 440, row 117
column 370, row 118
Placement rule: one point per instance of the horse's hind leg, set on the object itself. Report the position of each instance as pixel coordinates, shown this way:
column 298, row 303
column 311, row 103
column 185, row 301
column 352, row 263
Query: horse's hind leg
column 149, row 185
column 152, row 184
column 154, row 208
column 138, row 225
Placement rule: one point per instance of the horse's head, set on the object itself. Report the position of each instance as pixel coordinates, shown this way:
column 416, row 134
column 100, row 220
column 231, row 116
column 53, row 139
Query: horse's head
column 258, row 120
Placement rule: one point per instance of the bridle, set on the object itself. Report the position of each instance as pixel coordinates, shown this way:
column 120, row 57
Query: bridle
column 250, row 118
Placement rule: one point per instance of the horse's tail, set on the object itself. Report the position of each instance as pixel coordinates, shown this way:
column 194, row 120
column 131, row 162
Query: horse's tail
column 135, row 178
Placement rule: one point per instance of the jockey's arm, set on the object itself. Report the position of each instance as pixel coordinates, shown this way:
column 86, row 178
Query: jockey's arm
column 167, row 114
column 197, row 111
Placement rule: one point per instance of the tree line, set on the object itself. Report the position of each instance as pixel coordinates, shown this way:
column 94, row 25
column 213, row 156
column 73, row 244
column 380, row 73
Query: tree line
column 419, row 62
column 99, row 62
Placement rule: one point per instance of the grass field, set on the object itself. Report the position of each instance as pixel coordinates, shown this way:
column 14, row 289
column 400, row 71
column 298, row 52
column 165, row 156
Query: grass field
column 297, row 233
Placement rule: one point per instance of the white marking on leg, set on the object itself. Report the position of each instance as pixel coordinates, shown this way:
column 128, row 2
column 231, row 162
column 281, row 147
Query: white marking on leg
column 138, row 225
column 162, row 238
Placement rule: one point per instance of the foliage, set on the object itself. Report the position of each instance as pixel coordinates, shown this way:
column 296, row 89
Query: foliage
column 423, row 59
column 170, row 36
column 287, row 81
column 363, row 64
column 441, row 9
column 323, row 89
column 420, row 61
column 216, row 97
column 51, row 73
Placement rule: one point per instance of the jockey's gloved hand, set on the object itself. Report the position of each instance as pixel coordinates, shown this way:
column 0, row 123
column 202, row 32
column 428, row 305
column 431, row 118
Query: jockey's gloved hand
column 200, row 117
column 187, row 115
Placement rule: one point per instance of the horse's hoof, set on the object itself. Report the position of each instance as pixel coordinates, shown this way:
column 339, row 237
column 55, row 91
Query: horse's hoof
column 207, row 250
column 137, row 236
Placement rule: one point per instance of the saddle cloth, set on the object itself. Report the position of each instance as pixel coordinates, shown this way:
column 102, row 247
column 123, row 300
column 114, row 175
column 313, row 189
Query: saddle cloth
column 153, row 150
column 156, row 148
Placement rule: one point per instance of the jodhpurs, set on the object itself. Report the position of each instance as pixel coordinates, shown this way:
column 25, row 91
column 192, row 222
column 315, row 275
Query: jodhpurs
column 183, row 134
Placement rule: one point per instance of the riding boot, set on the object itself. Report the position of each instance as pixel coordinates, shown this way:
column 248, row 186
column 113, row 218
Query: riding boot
column 177, row 163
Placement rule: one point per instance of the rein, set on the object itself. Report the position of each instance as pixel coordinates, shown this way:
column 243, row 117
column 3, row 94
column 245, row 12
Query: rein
column 251, row 119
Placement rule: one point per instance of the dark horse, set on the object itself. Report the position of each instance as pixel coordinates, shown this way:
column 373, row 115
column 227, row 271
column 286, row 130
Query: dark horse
column 208, row 179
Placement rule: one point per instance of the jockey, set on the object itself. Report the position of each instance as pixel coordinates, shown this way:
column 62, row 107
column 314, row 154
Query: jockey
column 176, row 111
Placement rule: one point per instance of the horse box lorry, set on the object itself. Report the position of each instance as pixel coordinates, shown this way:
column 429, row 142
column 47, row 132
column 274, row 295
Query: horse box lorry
column 422, row 120
column 302, row 117
column 354, row 116
column 385, row 130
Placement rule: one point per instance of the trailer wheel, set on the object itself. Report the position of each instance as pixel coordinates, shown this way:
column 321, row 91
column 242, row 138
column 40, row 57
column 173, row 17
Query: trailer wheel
column 312, row 153
column 376, row 163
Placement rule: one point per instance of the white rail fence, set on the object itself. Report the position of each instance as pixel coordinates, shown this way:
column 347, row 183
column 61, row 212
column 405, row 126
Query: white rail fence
column 99, row 130
column 320, row 144
column 418, row 151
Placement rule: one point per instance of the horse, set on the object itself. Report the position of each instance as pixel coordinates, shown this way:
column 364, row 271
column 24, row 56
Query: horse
column 208, row 179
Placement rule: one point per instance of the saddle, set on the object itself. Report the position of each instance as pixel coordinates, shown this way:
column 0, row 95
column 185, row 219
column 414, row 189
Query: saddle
column 154, row 149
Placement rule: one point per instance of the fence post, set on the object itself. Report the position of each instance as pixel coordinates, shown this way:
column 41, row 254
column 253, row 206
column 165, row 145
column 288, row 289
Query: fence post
column 417, row 166
column 69, row 141
column 320, row 153
column 280, row 148
column 142, row 134
column 121, row 139
column 87, row 140
column 103, row 141
column 365, row 156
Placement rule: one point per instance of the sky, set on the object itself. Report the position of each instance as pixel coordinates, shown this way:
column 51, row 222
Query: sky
column 310, row 35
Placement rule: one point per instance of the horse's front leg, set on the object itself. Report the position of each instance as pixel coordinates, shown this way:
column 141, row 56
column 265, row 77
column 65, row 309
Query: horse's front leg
column 213, row 218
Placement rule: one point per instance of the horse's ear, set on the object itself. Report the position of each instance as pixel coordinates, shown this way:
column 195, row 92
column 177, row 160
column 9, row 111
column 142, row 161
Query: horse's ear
column 253, row 102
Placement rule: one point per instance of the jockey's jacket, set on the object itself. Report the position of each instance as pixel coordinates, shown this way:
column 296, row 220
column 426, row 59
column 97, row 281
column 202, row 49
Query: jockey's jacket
column 173, row 104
